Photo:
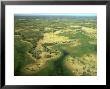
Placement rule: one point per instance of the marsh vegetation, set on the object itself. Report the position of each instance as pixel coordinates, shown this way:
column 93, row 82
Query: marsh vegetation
column 55, row 45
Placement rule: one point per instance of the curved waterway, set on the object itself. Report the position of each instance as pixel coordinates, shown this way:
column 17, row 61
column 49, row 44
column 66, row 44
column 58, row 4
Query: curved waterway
column 59, row 64
column 56, row 67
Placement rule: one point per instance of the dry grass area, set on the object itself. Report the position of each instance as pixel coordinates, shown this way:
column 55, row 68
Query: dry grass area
column 34, row 67
column 51, row 38
column 85, row 65
column 89, row 30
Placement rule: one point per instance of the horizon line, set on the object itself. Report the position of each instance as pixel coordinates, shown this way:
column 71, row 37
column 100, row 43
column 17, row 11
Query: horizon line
column 57, row 14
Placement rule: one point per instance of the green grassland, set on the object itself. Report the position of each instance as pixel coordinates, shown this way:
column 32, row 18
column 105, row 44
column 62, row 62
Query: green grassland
column 55, row 46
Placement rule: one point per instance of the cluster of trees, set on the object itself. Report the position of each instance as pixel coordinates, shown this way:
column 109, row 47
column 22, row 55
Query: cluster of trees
column 20, row 52
column 25, row 41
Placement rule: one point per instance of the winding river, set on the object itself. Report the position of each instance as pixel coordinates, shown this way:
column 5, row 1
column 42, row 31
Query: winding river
column 56, row 67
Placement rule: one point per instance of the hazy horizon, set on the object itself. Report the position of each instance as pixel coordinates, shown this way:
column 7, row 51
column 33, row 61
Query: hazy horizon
column 57, row 14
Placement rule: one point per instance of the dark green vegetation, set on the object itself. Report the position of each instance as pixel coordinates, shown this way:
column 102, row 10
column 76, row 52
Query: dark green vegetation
column 55, row 46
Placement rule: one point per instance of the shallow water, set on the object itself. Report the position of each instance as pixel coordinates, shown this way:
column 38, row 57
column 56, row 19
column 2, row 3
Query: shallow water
column 56, row 67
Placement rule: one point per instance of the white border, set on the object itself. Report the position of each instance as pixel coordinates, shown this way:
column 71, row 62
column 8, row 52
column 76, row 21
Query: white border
column 100, row 79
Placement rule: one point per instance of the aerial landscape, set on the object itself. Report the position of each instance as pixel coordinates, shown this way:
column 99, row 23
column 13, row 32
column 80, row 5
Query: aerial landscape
column 55, row 44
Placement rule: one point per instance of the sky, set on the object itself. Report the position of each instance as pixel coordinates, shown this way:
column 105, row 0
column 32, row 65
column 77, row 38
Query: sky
column 57, row 14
